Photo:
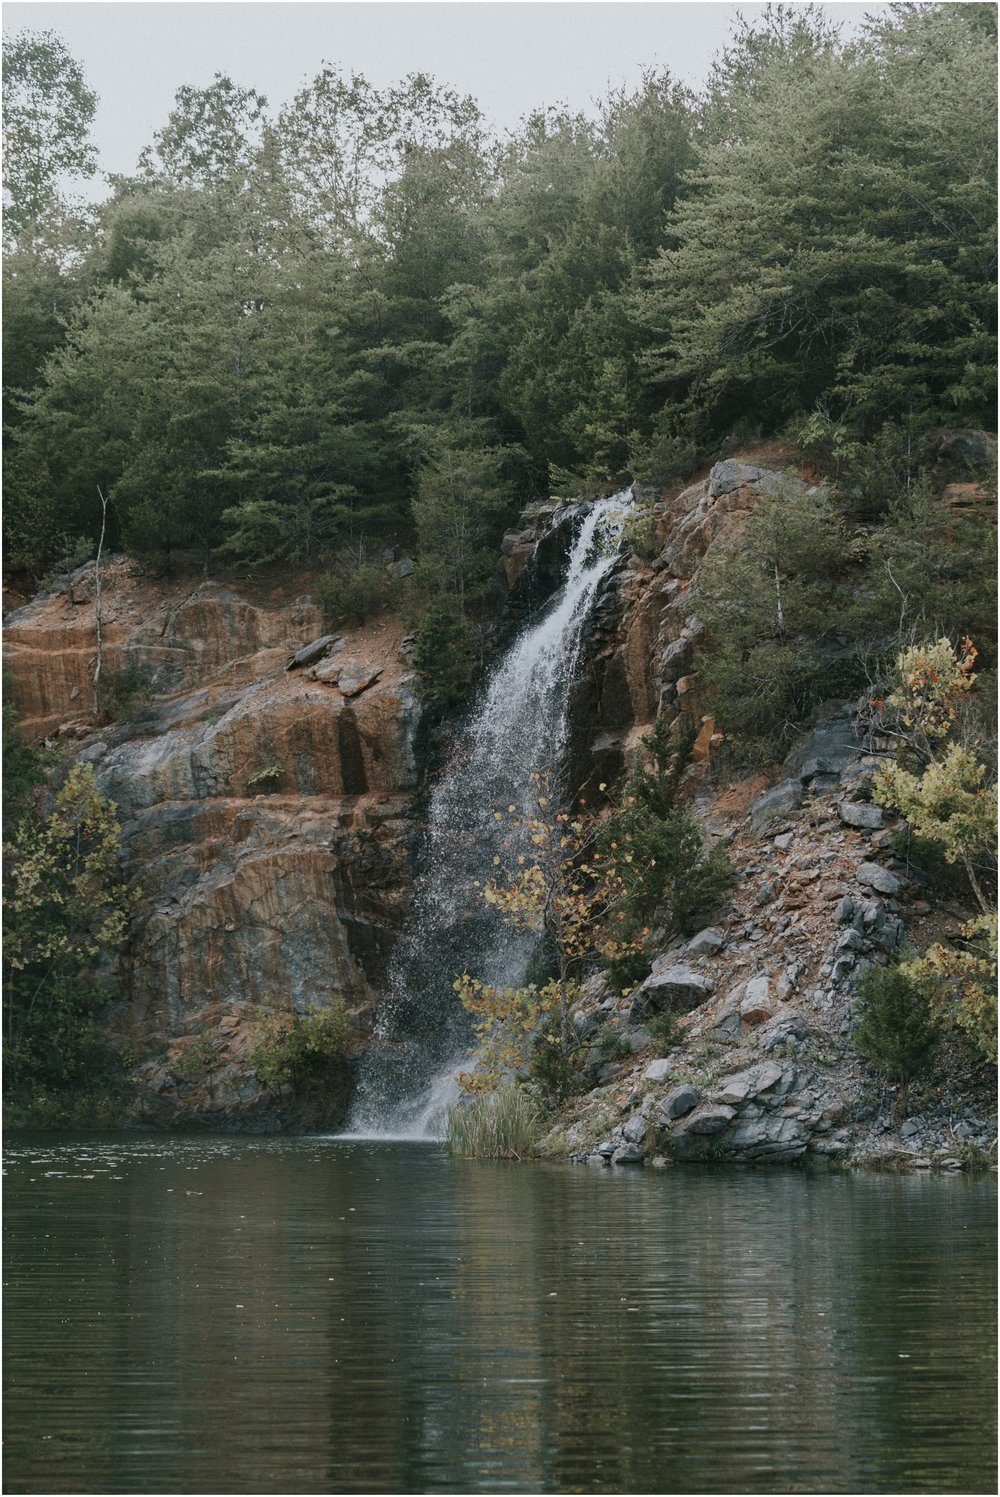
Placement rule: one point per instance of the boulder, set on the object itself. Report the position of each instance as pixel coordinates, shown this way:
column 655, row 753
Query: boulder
column 706, row 1121
column 679, row 1102
column 657, row 1070
column 635, row 1129
column 861, row 814
column 768, row 1138
column 776, row 804
column 706, row 943
column 744, row 1086
column 826, row 751
column 728, row 476
column 874, row 877
column 627, row 1154
column 756, row 1006
column 313, row 651
column 677, row 987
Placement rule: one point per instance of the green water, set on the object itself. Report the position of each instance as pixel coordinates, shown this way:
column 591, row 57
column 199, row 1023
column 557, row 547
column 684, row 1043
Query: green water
column 272, row 1315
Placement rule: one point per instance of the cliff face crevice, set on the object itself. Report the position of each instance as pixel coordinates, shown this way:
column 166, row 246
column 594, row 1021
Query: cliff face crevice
column 266, row 817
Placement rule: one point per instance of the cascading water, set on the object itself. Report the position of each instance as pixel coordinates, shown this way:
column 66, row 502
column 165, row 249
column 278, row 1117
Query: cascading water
column 518, row 729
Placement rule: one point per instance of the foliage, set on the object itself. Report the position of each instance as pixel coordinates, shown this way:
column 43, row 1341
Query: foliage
column 771, row 598
column 500, row 1124
column 354, row 588
column 659, row 848
column 23, row 766
column 292, row 1049
column 446, row 653
column 665, row 1030
column 197, row 1060
column 946, row 798
column 964, row 978
column 558, row 886
column 47, row 113
column 66, row 914
column 268, row 774
column 941, row 786
column 123, row 693
column 898, row 1031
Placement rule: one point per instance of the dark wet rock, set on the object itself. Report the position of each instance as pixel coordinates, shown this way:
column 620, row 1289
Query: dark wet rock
column 627, row 1154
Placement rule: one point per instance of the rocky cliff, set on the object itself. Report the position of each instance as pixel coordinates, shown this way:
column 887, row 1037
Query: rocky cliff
column 264, row 788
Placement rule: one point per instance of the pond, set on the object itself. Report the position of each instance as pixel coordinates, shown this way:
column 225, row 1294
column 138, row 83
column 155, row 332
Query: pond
column 193, row 1314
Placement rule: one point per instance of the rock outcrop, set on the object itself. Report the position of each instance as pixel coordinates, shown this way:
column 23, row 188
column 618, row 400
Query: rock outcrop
column 266, row 815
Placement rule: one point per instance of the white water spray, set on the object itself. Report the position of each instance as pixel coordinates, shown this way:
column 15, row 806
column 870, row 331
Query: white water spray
column 518, row 730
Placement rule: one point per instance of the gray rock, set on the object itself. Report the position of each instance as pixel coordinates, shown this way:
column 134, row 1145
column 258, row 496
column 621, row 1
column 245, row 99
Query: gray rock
column 728, row 1025
column 728, row 476
column 874, row 877
column 851, row 940
column 657, row 1070
column 706, row 943
column 627, row 1154
column 313, row 651
column 743, row 1086
column 403, row 567
column 861, row 814
column 679, row 1102
column 771, row 1138
column 775, row 804
column 353, row 680
column 908, row 1129
column 635, row 1129
column 784, row 841
column 844, row 910
column 824, row 754
column 677, row 987
column 706, row 1121
column 756, row 1007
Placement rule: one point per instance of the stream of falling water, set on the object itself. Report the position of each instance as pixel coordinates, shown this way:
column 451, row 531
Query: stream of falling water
column 517, row 730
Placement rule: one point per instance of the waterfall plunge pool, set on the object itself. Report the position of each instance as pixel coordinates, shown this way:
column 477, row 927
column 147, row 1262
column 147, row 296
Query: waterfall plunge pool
column 218, row 1314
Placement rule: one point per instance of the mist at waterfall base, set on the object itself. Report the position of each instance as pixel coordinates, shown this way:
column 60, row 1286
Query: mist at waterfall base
column 517, row 729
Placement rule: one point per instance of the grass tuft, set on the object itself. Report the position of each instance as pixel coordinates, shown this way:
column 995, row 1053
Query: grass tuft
column 504, row 1124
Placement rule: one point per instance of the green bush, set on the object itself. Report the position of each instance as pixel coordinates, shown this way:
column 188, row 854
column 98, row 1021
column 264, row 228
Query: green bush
column 665, row 1030
column 122, row 694
column 355, row 593
column 504, row 1124
column 898, row 1030
column 446, row 654
column 292, row 1049
column 557, row 1075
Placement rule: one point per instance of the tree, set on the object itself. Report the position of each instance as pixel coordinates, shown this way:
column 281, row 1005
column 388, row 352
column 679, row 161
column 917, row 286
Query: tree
column 837, row 240
column 940, row 785
column 66, row 912
column 766, row 596
column 47, row 113
column 211, row 140
column 561, row 888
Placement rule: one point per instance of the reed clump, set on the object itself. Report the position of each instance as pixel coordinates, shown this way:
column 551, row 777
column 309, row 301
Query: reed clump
column 501, row 1124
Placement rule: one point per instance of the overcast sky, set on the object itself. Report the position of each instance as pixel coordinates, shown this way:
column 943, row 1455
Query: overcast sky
column 511, row 57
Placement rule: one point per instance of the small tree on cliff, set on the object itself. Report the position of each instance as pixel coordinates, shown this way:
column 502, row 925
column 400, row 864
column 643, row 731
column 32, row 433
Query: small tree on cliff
column 556, row 884
column 940, row 785
column 65, row 912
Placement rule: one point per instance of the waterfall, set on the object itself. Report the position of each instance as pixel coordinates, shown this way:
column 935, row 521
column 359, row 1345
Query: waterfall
column 517, row 729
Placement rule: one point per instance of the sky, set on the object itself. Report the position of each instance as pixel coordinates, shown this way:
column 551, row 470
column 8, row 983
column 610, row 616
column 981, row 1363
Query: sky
column 512, row 57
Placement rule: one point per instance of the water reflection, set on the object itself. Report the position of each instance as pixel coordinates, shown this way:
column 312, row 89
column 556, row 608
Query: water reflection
column 314, row 1316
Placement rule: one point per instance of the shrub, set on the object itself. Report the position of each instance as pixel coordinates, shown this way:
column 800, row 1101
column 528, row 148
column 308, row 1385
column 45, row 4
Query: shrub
column 352, row 592
column 665, row 1030
column 291, row 1049
column 267, row 777
column 898, row 1031
column 446, row 654
column 122, row 694
column 502, row 1124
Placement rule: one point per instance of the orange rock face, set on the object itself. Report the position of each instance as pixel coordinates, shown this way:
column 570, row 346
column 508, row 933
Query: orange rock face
column 264, row 810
